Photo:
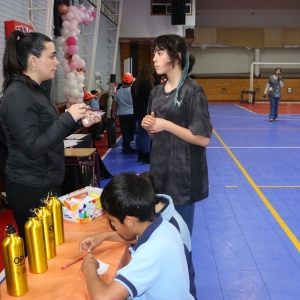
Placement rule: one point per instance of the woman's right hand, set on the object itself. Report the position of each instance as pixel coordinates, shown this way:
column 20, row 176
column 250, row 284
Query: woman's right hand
column 77, row 111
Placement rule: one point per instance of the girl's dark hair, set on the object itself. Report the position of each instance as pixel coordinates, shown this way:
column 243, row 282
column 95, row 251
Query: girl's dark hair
column 129, row 195
column 145, row 74
column 18, row 48
column 174, row 44
column 277, row 69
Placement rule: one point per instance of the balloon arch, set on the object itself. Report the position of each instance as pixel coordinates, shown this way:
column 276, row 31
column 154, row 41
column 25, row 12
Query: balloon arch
column 73, row 66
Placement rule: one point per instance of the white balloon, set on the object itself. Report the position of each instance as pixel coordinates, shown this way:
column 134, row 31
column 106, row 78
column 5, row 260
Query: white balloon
column 81, row 85
column 65, row 48
column 74, row 93
column 66, row 24
column 64, row 62
column 61, row 40
column 79, row 78
column 72, row 27
column 65, row 32
column 75, row 57
column 72, row 84
column 66, row 91
column 73, row 33
column 69, row 16
column 71, row 76
column 74, row 22
column 81, row 63
column 81, row 95
column 72, row 8
column 66, row 68
column 77, row 30
column 91, row 8
column 72, row 101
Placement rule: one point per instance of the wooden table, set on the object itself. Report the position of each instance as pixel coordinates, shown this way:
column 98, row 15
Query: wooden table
column 83, row 157
column 70, row 284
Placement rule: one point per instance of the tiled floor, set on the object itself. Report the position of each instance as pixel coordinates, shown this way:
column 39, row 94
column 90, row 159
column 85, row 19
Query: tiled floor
column 245, row 239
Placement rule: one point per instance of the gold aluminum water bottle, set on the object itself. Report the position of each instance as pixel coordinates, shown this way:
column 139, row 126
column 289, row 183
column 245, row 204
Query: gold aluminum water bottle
column 35, row 244
column 14, row 262
column 55, row 207
column 45, row 215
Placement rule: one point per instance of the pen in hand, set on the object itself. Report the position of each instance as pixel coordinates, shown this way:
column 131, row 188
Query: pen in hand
column 72, row 263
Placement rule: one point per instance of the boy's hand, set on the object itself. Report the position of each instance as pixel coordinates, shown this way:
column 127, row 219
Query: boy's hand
column 89, row 262
column 91, row 242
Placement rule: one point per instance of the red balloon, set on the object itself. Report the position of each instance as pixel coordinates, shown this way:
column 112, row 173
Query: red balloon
column 63, row 9
column 71, row 40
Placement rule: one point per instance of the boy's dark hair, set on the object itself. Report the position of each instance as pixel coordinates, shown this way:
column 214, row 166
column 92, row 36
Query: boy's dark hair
column 174, row 44
column 94, row 92
column 129, row 195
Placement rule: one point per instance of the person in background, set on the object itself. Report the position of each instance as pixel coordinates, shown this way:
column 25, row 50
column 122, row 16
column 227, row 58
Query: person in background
column 33, row 127
column 158, row 267
column 179, row 123
column 140, row 92
column 163, row 205
column 273, row 89
column 123, row 101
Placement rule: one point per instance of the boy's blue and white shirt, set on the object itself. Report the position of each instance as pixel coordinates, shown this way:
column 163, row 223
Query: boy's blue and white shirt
column 158, row 265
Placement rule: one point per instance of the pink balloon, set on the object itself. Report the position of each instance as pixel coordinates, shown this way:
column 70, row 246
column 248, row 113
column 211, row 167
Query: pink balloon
column 71, row 40
column 74, row 65
column 72, row 49
column 94, row 14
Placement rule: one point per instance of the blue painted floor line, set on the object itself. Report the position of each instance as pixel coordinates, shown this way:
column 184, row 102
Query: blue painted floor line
column 240, row 250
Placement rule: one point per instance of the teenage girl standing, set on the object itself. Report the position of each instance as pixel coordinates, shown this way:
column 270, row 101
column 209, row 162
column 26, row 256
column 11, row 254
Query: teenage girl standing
column 179, row 123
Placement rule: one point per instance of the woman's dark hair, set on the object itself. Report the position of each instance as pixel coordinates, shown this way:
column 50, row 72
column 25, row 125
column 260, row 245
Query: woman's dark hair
column 145, row 74
column 129, row 195
column 18, row 48
column 277, row 69
column 174, row 44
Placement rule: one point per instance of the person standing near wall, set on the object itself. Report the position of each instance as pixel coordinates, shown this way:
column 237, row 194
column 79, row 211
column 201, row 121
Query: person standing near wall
column 179, row 123
column 33, row 127
column 273, row 89
column 140, row 92
column 123, row 101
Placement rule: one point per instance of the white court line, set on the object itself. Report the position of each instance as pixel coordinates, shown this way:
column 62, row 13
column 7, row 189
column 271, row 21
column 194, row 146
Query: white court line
column 106, row 153
column 246, row 109
column 2, row 276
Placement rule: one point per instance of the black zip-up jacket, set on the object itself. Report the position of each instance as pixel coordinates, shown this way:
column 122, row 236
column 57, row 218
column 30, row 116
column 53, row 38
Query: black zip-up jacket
column 35, row 132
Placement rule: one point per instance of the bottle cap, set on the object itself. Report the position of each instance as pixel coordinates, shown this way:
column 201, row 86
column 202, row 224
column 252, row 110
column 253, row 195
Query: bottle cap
column 43, row 202
column 10, row 229
column 32, row 213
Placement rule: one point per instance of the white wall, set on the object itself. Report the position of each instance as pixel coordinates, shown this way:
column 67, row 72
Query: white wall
column 137, row 21
column 245, row 18
column 238, row 60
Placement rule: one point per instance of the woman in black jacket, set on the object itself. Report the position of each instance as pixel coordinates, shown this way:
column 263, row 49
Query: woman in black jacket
column 140, row 92
column 33, row 127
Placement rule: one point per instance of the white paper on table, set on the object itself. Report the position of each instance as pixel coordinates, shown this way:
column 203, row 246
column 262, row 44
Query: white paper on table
column 70, row 143
column 76, row 136
column 102, row 267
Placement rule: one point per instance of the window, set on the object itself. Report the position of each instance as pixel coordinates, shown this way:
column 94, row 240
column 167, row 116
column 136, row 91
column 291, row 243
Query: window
column 163, row 7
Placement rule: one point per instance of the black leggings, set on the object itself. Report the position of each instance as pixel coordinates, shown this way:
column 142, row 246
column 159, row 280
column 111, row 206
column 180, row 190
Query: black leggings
column 21, row 198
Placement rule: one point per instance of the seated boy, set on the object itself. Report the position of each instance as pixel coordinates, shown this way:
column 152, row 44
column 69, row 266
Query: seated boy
column 164, row 205
column 158, row 266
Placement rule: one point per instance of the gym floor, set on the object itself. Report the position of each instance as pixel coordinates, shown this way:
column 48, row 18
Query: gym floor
column 246, row 233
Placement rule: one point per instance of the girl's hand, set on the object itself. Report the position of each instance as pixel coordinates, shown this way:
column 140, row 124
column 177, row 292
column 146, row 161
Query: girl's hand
column 158, row 126
column 148, row 121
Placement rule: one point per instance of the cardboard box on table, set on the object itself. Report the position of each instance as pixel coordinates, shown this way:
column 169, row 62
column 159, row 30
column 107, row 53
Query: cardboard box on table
column 79, row 208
